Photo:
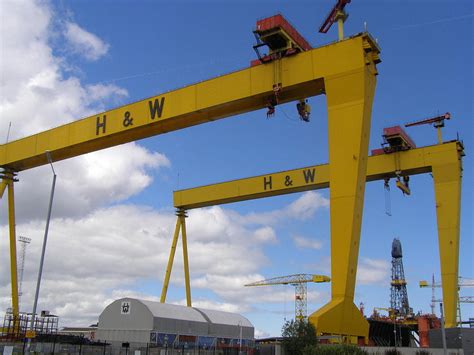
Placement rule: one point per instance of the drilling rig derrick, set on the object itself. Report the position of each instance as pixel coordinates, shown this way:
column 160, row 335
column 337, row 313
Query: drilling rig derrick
column 398, row 291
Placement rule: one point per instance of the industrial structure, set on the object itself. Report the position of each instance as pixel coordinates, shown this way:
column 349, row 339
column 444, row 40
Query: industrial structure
column 299, row 281
column 463, row 282
column 398, row 292
column 437, row 122
column 291, row 72
column 401, row 160
column 16, row 326
column 138, row 322
column 24, row 241
column 399, row 326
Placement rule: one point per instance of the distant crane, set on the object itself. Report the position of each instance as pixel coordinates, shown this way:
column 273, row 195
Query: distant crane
column 463, row 282
column 338, row 14
column 301, row 291
column 438, row 123
column 24, row 243
column 466, row 299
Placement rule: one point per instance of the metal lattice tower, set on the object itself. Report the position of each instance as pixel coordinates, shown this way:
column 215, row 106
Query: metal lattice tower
column 301, row 297
column 463, row 282
column 24, row 243
column 299, row 281
column 398, row 292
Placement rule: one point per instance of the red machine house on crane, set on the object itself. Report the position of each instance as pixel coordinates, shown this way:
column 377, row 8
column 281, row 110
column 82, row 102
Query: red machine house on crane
column 395, row 139
column 282, row 40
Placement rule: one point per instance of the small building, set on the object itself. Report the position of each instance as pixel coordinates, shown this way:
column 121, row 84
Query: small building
column 136, row 322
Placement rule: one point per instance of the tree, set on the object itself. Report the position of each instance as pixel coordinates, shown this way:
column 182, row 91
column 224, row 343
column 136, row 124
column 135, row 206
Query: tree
column 298, row 334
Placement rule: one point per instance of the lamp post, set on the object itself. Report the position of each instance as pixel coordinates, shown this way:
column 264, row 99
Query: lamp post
column 240, row 337
column 443, row 332
column 43, row 251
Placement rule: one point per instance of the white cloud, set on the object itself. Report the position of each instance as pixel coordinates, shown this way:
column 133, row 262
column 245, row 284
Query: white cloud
column 119, row 247
column 32, row 75
column 373, row 271
column 105, row 91
column 260, row 334
column 307, row 243
column 84, row 42
column 369, row 271
column 26, row 53
column 266, row 235
column 217, row 306
column 86, row 182
column 301, row 209
column 306, row 206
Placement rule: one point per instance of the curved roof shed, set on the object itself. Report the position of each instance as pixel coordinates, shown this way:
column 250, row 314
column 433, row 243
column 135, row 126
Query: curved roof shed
column 133, row 320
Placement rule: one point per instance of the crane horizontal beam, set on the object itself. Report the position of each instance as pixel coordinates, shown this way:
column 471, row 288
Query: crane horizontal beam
column 424, row 284
column 379, row 167
column 300, row 76
column 292, row 280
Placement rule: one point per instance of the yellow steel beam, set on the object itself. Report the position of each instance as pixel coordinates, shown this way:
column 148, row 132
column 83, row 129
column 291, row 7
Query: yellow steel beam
column 300, row 76
column 409, row 162
column 349, row 99
column 9, row 179
column 3, row 186
column 447, row 174
column 443, row 160
column 185, row 261
column 166, row 281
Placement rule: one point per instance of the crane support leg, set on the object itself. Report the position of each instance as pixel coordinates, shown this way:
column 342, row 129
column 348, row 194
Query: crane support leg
column 3, row 186
column 166, row 281
column 8, row 179
column 447, row 183
column 180, row 225
column 185, row 260
column 349, row 100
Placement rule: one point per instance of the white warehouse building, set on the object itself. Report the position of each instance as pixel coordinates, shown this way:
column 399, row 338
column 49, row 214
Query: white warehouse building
column 134, row 321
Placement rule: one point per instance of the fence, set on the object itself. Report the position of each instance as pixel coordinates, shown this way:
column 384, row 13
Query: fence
column 40, row 348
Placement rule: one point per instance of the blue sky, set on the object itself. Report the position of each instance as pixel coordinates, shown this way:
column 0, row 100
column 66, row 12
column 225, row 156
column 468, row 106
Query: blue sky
column 107, row 53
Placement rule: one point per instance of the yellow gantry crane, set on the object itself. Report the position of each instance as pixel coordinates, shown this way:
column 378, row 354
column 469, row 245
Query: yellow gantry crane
column 299, row 281
column 463, row 282
column 442, row 161
column 345, row 72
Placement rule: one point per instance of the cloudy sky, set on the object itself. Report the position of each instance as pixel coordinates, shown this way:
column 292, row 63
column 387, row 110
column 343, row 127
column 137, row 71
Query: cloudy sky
column 113, row 217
